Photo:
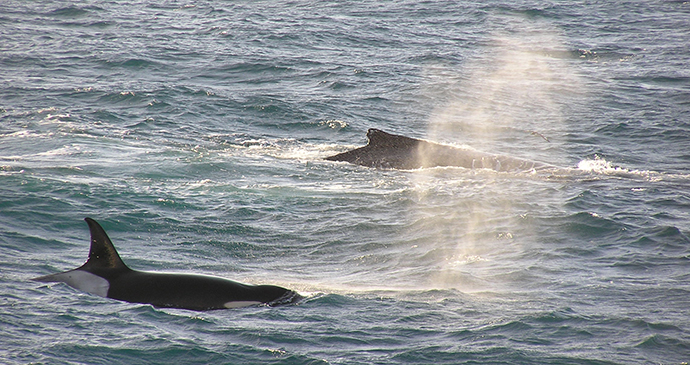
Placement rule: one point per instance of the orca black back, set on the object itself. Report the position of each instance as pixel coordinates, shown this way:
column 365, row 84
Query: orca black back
column 106, row 275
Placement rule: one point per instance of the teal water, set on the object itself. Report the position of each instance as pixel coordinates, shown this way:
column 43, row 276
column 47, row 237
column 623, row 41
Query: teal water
column 195, row 133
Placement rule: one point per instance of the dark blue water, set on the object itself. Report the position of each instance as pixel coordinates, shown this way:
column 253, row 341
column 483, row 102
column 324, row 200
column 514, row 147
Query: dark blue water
column 195, row 133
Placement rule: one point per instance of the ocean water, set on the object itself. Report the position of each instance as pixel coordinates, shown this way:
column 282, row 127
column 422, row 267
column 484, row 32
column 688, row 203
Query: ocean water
column 195, row 132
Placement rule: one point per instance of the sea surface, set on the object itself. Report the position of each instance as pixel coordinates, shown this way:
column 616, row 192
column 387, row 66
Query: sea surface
column 195, row 132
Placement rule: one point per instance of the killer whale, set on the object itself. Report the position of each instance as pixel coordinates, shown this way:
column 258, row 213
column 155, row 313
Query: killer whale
column 106, row 275
column 391, row 151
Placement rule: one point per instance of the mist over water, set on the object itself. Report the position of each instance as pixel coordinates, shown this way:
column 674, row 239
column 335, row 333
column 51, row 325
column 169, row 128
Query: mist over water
column 508, row 95
column 516, row 88
column 195, row 134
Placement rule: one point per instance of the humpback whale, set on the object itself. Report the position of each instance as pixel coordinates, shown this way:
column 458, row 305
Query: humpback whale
column 391, row 151
column 106, row 275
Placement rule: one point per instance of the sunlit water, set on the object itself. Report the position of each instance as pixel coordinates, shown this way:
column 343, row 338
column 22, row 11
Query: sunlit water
column 195, row 133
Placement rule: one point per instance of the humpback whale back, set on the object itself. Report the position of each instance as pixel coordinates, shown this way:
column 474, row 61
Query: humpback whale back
column 386, row 150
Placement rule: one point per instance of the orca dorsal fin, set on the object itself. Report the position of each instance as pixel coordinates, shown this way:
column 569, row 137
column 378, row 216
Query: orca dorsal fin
column 102, row 254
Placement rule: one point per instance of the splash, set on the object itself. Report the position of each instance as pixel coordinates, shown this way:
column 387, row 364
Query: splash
column 334, row 123
column 602, row 167
column 598, row 165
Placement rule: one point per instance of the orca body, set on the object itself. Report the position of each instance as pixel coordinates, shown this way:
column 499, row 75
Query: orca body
column 106, row 275
column 386, row 150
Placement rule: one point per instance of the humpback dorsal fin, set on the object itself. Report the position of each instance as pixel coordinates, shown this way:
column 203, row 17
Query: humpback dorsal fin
column 102, row 254
column 379, row 138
